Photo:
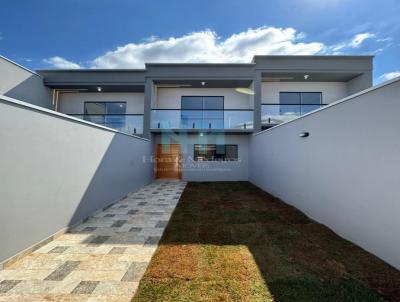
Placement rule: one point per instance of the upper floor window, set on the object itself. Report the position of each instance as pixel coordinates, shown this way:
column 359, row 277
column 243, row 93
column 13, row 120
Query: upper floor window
column 298, row 103
column 202, row 112
column 101, row 108
column 202, row 103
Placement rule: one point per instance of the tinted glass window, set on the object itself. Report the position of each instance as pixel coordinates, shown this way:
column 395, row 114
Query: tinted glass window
column 116, row 108
column 213, row 102
column 311, row 98
column 289, row 98
column 191, row 102
column 95, row 108
column 105, row 108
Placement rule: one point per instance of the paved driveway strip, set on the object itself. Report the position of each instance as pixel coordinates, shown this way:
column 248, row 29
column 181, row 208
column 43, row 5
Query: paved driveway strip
column 102, row 259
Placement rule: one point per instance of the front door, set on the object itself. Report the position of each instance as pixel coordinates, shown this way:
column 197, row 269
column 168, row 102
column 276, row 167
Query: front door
column 168, row 163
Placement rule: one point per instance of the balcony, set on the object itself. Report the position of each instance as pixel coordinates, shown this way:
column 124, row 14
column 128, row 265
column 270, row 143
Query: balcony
column 230, row 120
column 127, row 123
column 275, row 114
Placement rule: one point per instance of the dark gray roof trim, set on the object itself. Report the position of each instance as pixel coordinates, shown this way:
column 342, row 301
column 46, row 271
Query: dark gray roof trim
column 350, row 66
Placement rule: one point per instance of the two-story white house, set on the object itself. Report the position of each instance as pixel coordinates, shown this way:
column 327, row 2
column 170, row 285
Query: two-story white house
column 199, row 116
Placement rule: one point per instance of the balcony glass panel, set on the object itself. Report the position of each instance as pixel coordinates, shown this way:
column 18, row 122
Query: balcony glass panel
column 242, row 119
column 201, row 119
column 213, row 119
column 191, row 119
column 273, row 114
column 131, row 124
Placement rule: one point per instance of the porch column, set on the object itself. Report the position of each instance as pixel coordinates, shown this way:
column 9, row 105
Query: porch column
column 148, row 100
column 257, row 102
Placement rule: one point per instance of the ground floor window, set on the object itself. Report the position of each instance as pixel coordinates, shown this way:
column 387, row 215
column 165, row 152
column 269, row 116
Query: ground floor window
column 212, row 152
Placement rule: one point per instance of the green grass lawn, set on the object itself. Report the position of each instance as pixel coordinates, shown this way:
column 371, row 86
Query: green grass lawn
column 231, row 241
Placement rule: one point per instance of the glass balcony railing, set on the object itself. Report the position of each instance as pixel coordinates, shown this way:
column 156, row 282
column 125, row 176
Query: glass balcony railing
column 274, row 114
column 128, row 123
column 201, row 119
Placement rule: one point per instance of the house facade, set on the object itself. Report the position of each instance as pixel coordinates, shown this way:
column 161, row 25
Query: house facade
column 199, row 116
column 201, row 122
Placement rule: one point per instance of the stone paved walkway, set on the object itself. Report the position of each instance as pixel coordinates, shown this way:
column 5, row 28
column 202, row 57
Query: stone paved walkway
column 102, row 259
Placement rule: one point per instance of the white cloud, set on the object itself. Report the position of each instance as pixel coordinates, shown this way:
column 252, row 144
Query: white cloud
column 389, row 75
column 206, row 46
column 360, row 38
column 355, row 42
column 59, row 62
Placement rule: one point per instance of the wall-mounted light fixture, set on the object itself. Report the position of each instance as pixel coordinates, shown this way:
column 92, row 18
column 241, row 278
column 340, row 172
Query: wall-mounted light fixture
column 99, row 89
column 304, row 134
column 306, row 76
column 203, row 83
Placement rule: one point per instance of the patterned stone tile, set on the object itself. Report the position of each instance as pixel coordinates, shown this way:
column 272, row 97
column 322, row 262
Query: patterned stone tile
column 162, row 224
column 63, row 271
column 152, row 240
column 22, row 297
column 25, row 274
column 99, row 239
column 135, row 272
column 33, row 287
column 117, row 250
column 135, row 229
column 118, row 223
column 102, row 259
column 98, row 275
column 85, row 287
column 6, row 285
column 59, row 249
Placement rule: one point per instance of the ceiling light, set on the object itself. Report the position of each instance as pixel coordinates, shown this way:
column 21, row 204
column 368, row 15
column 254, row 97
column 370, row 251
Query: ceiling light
column 244, row 90
column 203, row 83
column 99, row 89
column 306, row 76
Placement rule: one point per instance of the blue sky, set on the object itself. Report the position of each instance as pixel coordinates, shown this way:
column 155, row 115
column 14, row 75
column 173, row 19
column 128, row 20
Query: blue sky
column 126, row 33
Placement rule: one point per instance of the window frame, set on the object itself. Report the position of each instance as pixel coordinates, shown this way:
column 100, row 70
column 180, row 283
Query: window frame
column 195, row 158
column 202, row 102
column 104, row 102
column 301, row 98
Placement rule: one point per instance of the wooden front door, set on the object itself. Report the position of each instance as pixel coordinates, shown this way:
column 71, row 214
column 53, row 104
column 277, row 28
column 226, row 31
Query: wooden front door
column 168, row 161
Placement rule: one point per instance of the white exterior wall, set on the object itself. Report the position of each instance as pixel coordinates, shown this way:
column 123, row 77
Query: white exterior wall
column 170, row 98
column 22, row 84
column 56, row 170
column 331, row 91
column 73, row 103
column 209, row 170
column 346, row 173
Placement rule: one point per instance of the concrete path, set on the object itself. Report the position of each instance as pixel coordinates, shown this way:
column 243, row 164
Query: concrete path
column 102, row 259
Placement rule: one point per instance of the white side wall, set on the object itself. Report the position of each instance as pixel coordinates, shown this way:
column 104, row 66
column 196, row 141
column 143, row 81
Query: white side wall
column 170, row 98
column 331, row 91
column 56, row 170
column 210, row 170
column 22, row 84
column 73, row 103
column 346, row 173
